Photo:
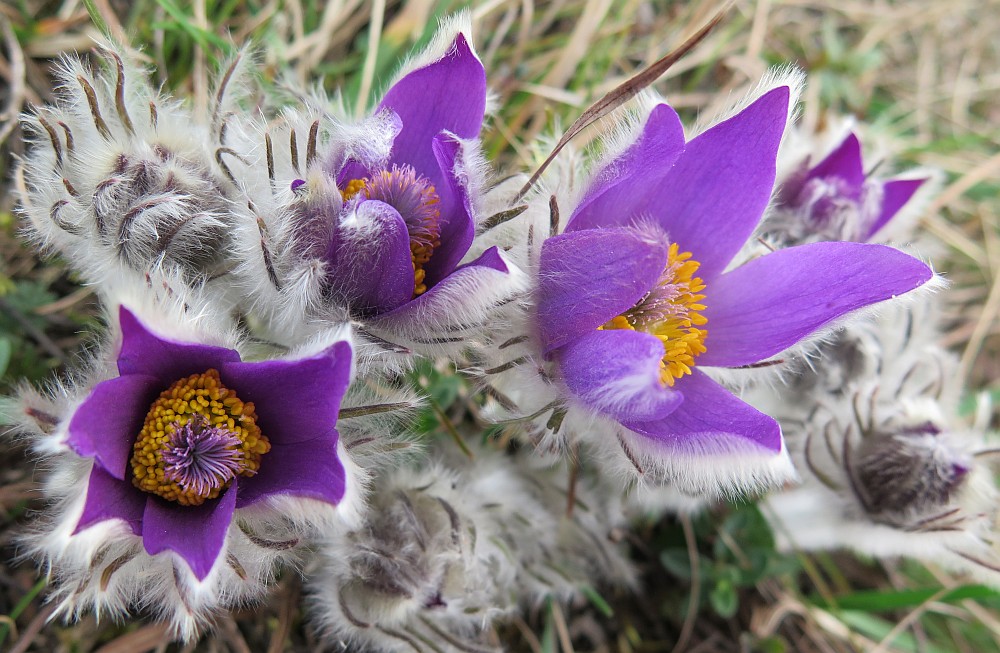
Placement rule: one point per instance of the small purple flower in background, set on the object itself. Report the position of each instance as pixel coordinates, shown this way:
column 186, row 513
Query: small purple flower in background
column 837, row 200
column 636, row 295
column 188, row 433
column 408, row 220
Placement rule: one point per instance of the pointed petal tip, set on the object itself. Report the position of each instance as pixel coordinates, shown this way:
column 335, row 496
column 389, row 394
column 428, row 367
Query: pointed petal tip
column 713, row 444
column 751, row 317
column 195, row 533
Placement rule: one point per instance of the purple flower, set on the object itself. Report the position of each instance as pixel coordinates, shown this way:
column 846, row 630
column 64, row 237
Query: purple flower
column 407, row 220
column 188, row 433
column 837, row 200
column 635, row 297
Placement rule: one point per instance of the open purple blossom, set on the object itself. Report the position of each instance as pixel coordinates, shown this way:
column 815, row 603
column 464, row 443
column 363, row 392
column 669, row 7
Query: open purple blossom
column 837, row 200
column 407, row 218
column 638, row 293
column 188, row 433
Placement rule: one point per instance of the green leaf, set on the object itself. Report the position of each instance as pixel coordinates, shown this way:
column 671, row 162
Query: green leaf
column 597, row 600
column 5, row 352
column 444, row 389
column 202, row 36
column 96, row 18
column 876, row 628
column 876, row 600
column 677, row 562
column 771, row 645
column 724, row 599
column 548, row 639
column 21, row 606
column 749, row 528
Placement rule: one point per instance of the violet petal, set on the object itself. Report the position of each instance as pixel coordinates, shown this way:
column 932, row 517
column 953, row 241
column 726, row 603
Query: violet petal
column 108, row 421
column 447, row 95
column 843, row 163
column 143, row 352
column 295, row 400
column 111, row 498
column 442, row 301
column 895, row 194
column 457, row 227
column 588, row 277
column 650, row 158
column 617, row 372
column 370, row 267
column 762, row 308
column 711, row 421
column 717, row 190
column 195, row 533
column 308, row 468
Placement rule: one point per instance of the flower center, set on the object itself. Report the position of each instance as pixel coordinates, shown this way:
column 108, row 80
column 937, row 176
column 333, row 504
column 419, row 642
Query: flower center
column 197, row 437
column 670, row 311
column 417, row 202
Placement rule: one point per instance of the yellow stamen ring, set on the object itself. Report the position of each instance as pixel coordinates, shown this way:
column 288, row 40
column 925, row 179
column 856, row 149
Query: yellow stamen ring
column 671, row 312
column 203, row 402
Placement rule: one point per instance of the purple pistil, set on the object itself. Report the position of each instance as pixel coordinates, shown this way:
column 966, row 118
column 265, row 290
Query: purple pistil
column 413, row 196
column 202, row 458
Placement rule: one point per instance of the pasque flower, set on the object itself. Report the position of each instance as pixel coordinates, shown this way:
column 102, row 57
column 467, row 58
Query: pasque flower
column 837, row 200
column 187, row 434
column 407, row 219
column 640, row 292
column 378, row 224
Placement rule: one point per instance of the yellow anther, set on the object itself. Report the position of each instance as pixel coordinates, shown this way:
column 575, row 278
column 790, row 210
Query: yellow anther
column 202, row 402
column 353, row 187
column 670, row 311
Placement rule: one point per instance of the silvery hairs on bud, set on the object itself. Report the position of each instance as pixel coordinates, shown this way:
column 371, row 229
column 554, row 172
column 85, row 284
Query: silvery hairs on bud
column 120, row 179
column 450, row 548
column 887, row 467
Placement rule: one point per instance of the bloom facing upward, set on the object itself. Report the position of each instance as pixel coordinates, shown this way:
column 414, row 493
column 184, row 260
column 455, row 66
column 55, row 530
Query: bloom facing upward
column 188, row 433
column 635, row 297
column 837, row 200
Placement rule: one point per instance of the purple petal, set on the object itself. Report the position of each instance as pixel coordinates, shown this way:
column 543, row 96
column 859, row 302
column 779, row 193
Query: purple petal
column 711, row 421
column 447, row 95
column 895, row 194
column 719, row 186
column 109, row 419
column 144, row 353
column 457, row 227
column 296, row 400
column 650, row 157
column 617, row 372
column 769, row 304
column 843, row 163
column 473, row 280
column 588, row 277
column 490, row 259
column 370, row 264
column 309, row 468
column 195, row 533
column 111, row 498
